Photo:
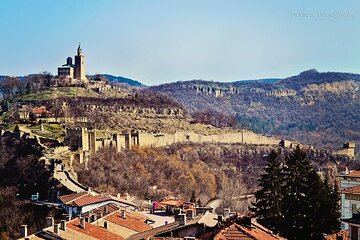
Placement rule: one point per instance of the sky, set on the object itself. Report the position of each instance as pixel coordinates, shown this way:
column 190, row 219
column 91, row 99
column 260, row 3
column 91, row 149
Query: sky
column 160, row 41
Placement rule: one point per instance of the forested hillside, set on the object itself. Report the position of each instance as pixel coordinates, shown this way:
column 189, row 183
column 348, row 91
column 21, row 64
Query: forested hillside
column 321, row 109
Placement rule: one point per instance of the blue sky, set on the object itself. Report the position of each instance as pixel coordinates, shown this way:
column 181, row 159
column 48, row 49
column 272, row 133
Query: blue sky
column 158, row 41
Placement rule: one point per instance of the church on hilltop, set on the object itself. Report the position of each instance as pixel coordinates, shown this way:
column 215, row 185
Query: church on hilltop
column 74, row 71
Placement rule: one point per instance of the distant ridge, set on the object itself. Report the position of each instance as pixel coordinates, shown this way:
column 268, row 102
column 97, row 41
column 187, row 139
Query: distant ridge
column 120, row 79
column 317, row 108
column 312, row 76
column 261, row 80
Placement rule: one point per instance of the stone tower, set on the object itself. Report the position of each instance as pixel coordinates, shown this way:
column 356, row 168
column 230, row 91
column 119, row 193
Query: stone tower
column 79, row 71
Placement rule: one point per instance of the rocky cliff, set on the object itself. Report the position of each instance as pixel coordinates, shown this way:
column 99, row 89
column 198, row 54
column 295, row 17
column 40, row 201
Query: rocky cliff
column 316, row 108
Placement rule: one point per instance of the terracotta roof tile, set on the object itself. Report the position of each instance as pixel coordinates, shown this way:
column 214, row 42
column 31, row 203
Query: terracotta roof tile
column 239, row 232
column 171, row 202
column 66, row 199
column 343, row 233
column 353, row 174
column 93, row 231
column 111, row 207
column 86, row 200
column 133, row 221
column 39, row 110
column 352, row 190
column 154, row 231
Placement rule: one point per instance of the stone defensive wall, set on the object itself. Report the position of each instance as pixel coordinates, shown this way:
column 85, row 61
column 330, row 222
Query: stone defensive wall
column 90, row 140
column 244, row 137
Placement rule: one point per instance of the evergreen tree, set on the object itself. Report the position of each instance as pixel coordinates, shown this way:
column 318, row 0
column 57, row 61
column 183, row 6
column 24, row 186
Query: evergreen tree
column 332, row 213
column 295, row 195
column 317, row 207
column 268, row 198
column 193, row 197
column 28, row 88
column 16, row 128
column 294, row 201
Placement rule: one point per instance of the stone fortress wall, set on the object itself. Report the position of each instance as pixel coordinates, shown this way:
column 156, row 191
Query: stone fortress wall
column 90, row 140
column 87, row 139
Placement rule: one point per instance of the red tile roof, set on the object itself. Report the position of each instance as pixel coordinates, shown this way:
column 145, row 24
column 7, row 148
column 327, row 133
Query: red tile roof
column 343, row 233
column 39, row 110
column 93, row 231
column 239, row 232
column 171, row 202
column 352, row 190
column 111, row 207
column 86, row 200
column 353, row 174
column 133, row 221
column 66, row 199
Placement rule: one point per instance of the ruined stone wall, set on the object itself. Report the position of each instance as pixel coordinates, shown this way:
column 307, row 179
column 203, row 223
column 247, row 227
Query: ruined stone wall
column 247, row 137
column 89, row 141
column 347, row 151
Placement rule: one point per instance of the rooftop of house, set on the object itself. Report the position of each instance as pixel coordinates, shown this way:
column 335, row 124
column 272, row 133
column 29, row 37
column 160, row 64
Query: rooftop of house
column 117, row 228
column 92, row 230
column 171, row 202
column 240, row 229
column 343, row 234
column 352, row 190
column 110, row 208
column 354, row 174
column 39, row 110
column 134, row 221
column 207, row 220
column 84, row 198
column 67, row 199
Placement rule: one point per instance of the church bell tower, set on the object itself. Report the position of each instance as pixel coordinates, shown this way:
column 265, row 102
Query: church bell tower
column 79, row 71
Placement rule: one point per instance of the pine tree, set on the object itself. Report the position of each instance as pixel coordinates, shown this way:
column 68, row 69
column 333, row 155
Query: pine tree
column 295, row 195
column 317, row 203
column 268, row 198
column 193, row 197
column 332, row 212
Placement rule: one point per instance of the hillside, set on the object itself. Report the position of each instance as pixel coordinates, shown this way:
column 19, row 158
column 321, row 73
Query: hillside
column 111, row 78
column 316, row 108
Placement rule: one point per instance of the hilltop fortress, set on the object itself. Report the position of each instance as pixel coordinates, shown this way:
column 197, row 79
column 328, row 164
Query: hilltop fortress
column 134, row 119
column 74, row 71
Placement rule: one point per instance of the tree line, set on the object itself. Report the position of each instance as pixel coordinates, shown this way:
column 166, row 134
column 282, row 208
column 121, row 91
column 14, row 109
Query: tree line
column 11, row 86
column 294, row 201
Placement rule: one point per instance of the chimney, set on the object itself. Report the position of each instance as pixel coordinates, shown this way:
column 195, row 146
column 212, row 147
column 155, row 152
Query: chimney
column 82, row 222
column 220, row 218
column 66, row 217
column 226, row 212
column 190, row 214
column 106, row 224
column 23, row 231
column 339, row 237
column 181, row 219
column 118, row 195
column 105, row 210
column 63, row 225
column 49, row 221
column 93, row 218
column 123, row 214
column 56, row 229
column 100, row 215
column 127, row 196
